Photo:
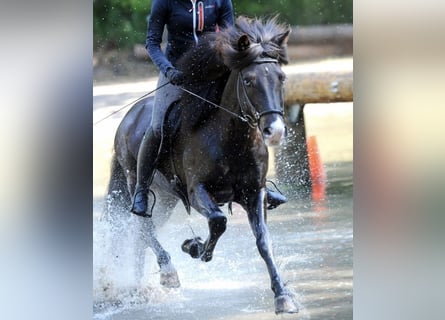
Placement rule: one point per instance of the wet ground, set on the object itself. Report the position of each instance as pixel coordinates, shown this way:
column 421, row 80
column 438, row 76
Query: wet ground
column 312, row 242
column 312, row 245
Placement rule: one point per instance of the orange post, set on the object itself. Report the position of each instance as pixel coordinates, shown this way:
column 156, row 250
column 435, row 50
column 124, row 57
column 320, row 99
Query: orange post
column 318, row 174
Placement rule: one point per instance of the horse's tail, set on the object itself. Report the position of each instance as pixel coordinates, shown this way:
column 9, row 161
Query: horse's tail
column 118, row 197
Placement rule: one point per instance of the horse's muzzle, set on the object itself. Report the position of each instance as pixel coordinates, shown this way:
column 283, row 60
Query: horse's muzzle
column 274, row 132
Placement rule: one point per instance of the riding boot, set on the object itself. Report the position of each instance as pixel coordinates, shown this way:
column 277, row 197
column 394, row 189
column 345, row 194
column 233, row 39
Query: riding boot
column 274, row 199
column 140, row 199
column 147, row 155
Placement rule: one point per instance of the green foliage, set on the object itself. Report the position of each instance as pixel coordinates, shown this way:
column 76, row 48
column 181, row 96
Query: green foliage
column 298, row 12
column 123, row 23
column 119, row 23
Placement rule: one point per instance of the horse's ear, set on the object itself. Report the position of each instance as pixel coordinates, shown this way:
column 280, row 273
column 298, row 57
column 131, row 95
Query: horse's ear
column 243, row 42
column 281, row 39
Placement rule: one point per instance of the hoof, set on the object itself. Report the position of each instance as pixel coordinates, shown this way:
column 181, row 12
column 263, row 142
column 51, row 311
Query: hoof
column 274, row 199
column 285, row 304
column 193, row 247
column 170, row 280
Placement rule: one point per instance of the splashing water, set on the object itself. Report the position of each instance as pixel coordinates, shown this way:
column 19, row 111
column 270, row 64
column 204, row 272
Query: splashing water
column 313, row 250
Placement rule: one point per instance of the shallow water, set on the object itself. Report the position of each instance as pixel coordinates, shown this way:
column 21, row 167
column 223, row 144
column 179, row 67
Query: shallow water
column 312, row 246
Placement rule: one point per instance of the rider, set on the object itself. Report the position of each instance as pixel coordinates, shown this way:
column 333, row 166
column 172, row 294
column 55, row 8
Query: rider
column 186, row 21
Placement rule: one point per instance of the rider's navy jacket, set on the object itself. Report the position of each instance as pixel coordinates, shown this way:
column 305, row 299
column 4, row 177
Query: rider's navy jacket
column 182, row 29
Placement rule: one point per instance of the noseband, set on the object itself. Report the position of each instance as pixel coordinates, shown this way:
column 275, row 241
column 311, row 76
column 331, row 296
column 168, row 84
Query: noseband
column 249, row 113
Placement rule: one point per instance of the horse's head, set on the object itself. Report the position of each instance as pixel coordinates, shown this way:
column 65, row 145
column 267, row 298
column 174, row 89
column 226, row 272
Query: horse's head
column 256, row 53
column 260, row 95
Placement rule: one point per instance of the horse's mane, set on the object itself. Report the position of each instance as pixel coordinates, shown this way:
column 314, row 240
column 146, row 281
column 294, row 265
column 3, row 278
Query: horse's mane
column 208, row 64
column 220, row 52
column 267, row 39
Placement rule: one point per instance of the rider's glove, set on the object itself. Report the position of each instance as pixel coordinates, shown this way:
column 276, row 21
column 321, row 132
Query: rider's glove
column 175, row 76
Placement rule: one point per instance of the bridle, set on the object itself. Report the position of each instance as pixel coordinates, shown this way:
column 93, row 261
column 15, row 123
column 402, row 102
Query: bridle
column 248, row 110
column 249, row 113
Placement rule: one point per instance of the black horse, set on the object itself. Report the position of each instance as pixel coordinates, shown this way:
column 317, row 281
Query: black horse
column 214, row 152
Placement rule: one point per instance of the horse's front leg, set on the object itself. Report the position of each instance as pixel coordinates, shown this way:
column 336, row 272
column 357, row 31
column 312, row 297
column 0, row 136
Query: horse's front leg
column 284, row 301
column 204, row 204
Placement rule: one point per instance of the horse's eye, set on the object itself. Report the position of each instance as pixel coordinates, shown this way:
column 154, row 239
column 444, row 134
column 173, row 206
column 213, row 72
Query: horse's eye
column 247, row 82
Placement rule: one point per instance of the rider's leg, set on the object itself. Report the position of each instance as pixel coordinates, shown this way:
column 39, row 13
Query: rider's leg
column 149, row 148
column 147, row 155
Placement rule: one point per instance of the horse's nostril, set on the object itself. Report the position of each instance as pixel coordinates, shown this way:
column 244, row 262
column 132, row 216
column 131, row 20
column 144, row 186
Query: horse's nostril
column 267, row 131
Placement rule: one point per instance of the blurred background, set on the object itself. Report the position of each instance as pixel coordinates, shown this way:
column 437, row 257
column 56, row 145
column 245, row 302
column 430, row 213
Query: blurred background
column 122, row 24
column 119, row 29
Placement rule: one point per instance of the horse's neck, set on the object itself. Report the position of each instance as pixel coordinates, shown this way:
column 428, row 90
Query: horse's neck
column 229, row 97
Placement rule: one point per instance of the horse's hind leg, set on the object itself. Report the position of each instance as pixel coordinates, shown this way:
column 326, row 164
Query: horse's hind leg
column 168, row 274
column 217, row 221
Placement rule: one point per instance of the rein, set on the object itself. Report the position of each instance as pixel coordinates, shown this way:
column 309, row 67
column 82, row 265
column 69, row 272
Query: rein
column 251, row 120
column 131, row 103
column 214, row 104
column 246, row 103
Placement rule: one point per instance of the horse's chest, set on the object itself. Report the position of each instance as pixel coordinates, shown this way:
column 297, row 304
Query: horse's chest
column 241, row 166
column 224, row 160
